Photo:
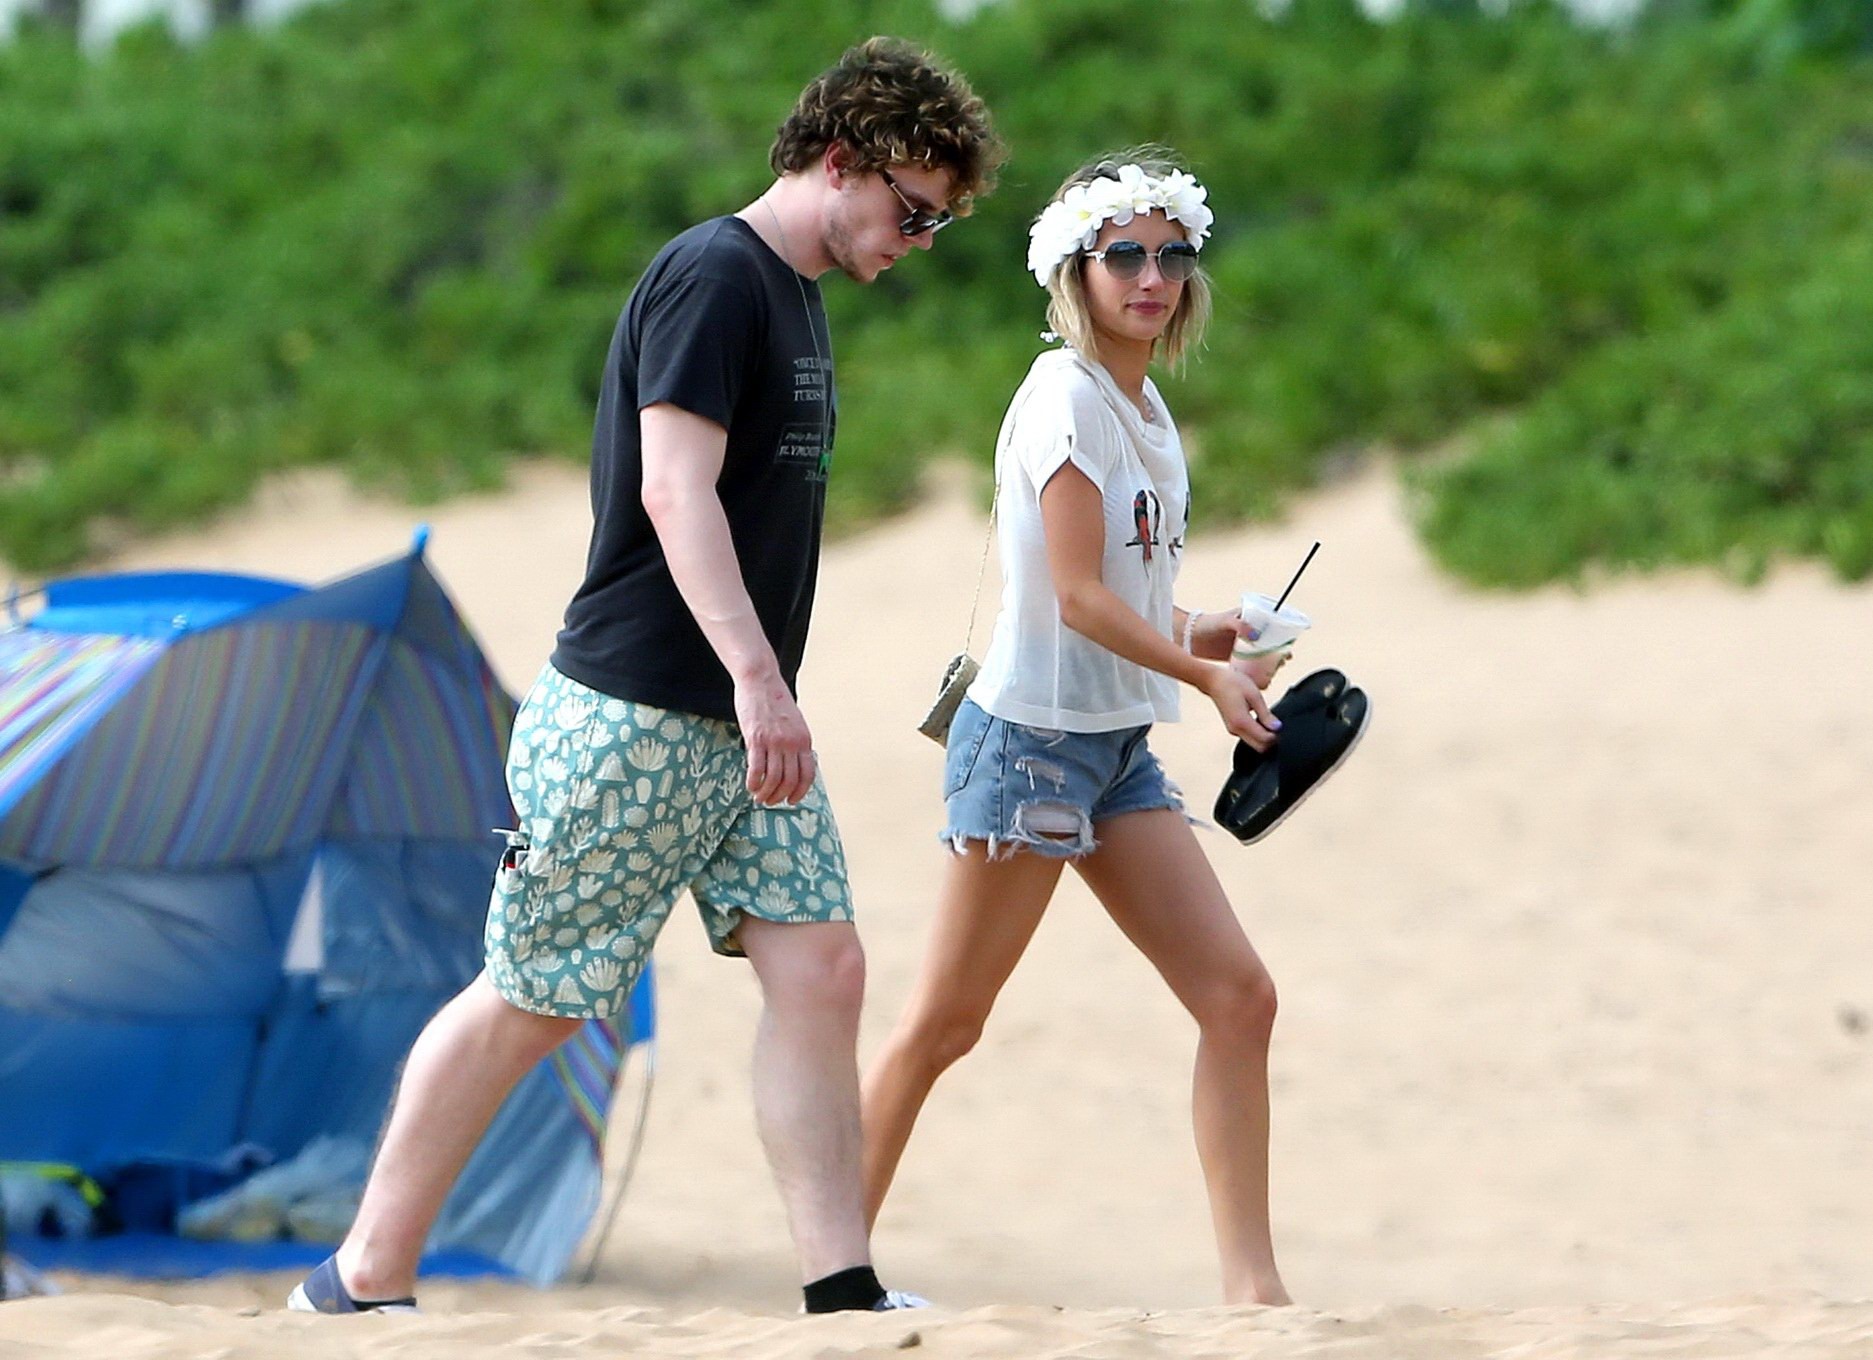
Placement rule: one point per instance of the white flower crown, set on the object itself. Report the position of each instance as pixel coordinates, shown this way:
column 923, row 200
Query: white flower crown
column 1071, row 223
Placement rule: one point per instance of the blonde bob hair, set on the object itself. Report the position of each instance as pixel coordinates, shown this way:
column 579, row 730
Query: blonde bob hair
column 1068, row 314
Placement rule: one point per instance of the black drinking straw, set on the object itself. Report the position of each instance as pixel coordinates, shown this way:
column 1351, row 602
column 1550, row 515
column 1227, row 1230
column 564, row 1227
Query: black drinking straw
column 1297, row 576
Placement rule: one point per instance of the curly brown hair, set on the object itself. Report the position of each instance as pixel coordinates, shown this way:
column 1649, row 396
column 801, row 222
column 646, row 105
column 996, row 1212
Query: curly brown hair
column 889, row 103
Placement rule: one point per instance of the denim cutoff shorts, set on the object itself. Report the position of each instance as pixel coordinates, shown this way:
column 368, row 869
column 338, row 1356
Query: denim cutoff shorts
column 1029, row 788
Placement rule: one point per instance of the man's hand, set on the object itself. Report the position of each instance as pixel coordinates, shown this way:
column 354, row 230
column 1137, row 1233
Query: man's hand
column 781, row 764
column 1240, row 704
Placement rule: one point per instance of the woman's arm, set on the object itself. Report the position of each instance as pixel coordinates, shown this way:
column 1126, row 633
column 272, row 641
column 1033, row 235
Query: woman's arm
column 1215, row 635
column 1073, row 518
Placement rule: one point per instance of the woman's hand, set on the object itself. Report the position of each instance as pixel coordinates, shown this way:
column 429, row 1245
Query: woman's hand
column 1261, row 669
column 1240, row 704
column 1215, row 633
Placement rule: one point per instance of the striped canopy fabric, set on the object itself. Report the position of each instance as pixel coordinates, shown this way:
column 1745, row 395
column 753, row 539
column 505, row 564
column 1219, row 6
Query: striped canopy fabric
column 361, row 709
column 587, row 1066
column 53, row 687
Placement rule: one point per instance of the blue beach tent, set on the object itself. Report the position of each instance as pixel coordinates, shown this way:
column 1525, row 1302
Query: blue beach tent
column 245, row 851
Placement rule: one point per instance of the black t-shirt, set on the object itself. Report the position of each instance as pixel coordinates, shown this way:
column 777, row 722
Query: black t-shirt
column 719, row 326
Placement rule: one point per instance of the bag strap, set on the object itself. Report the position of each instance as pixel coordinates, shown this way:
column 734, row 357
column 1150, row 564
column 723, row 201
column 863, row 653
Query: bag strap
column 988, row 541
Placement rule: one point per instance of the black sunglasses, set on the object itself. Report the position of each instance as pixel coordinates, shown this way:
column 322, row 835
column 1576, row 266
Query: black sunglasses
column 918, row 219
column 1177, row 260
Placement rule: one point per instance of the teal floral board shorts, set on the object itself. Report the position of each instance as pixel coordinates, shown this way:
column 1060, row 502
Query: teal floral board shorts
column 621, row 807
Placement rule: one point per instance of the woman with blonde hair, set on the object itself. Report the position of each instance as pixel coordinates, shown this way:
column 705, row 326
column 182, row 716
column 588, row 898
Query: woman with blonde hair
column 1047, row 760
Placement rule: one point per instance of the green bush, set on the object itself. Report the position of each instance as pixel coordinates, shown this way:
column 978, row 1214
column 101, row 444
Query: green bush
column 1737, row 438
column 394, row 237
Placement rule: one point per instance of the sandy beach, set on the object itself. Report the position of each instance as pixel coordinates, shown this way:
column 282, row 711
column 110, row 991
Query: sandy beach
column 1575, row 1055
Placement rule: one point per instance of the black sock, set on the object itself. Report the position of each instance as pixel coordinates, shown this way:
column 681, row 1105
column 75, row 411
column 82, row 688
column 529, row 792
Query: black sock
column 845, row 1290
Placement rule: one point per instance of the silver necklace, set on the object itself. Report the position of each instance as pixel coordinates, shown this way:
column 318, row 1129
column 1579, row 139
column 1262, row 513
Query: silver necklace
column 812, row 333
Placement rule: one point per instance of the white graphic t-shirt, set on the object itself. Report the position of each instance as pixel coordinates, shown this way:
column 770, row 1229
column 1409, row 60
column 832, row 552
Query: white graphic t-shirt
column 1038, row 672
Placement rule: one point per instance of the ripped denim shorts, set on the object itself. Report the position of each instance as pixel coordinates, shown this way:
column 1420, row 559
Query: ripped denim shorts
column 1016, row 787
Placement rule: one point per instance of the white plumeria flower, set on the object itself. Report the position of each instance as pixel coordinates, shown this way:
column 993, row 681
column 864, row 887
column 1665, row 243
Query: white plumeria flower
column 1080, row 211
column 1176, row 183
column 1072, row 222
column 1069, row 224
column 1139, row 190
column 1041, row 258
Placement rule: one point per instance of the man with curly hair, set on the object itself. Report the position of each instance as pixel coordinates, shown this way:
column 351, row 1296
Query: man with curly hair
column 661, row 748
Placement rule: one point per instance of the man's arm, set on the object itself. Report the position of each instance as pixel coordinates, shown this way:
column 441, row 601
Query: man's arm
column 683, row 456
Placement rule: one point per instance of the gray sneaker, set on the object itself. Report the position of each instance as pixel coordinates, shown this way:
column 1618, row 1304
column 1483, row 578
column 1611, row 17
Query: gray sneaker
column 896, row 1298
column 324, row 1292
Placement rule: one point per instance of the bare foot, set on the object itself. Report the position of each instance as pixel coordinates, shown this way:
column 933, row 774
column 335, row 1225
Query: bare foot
column 1266, row 1290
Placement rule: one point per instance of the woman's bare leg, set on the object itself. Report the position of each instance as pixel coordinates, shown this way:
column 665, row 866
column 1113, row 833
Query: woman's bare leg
column 987, row 910
column 1152, row 878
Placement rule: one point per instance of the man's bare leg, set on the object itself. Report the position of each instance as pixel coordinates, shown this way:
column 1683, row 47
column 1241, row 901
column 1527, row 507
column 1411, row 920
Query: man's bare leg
column 462, row 1066
column 806, row 1084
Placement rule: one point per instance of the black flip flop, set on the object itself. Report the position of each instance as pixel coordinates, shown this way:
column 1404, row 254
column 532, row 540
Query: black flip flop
column 1322, row 719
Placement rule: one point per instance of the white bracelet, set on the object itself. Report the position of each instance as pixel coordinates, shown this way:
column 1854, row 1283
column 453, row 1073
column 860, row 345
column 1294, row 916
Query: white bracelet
column 1190, row 626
